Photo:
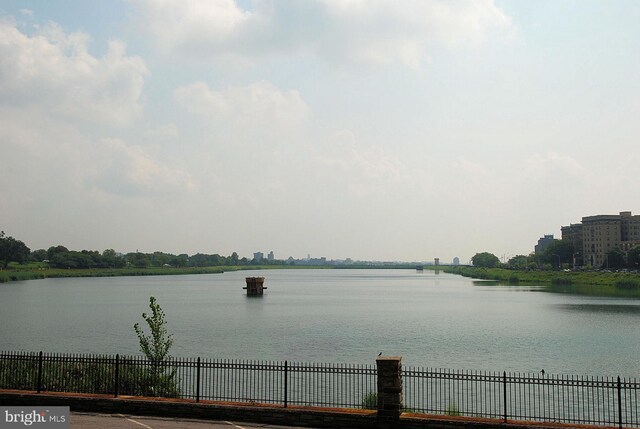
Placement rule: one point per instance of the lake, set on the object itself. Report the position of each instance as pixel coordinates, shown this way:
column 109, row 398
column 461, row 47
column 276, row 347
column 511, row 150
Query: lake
column 431, row 320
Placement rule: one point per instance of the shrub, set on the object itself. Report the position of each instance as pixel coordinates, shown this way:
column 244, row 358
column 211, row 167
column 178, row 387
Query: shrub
column 370, row 401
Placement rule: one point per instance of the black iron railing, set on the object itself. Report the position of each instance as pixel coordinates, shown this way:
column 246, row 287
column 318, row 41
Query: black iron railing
column 515, row 396
column 504, row 396
column 264, row 382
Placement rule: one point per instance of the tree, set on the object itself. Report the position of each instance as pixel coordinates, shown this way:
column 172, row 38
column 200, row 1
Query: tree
column 38, row 255
column 556, row 253
column 614, row 259
column 111, row 259
column 54, row 250
column 485, row 259
column 12, row 250
column 633, row 258
column 155, row 347
column 159, row 379
column 518, row 262
column 138, row 260
column 72, row 259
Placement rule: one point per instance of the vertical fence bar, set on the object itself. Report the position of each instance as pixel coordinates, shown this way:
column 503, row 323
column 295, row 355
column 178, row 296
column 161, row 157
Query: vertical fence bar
column 286, row 383
column 198, row 380
column 504, row 394
column 39, row 372
column 116, row 383
column 619, row 404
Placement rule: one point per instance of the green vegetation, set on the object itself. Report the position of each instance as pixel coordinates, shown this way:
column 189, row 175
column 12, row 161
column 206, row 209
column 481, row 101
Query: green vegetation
column 87, row 375
column 12, row 250
column 591, row 282
column 159, row 377
column 370, row 401
column 28, row 273
column 485, row 260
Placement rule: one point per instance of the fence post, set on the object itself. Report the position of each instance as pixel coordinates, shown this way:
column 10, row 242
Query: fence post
column 389, row 388
column 116, row 381
column 504, row 393
column 39, row 372
column 619, row 403
column 286, row 383
column 198, row 381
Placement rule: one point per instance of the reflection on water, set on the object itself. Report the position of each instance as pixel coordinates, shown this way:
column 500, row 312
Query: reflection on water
column 602, row 308
column 608, row 291
column 594, row 290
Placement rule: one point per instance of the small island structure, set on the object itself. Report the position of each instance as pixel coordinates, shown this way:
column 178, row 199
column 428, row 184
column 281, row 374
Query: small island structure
column 255, row 286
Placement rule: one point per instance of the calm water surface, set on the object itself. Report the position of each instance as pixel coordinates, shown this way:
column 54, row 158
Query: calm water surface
column 435, row 320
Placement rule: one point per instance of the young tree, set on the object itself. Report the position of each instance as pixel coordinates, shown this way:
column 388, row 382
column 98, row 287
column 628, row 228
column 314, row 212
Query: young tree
column 160, row 379
column 155, row 347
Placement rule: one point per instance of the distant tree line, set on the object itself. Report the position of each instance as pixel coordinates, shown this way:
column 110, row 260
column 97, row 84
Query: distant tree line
column 559, row 254
column 13, row 250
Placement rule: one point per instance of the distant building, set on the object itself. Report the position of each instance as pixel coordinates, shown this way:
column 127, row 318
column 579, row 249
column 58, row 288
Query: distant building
column 599, row 234
column 543, row 243
column 270, row 257
column 456, row 261
column 258, row 256
column 573, row 235
column 436, row 261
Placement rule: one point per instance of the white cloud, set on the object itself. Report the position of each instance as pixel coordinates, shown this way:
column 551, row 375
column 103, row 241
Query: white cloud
column 553, row 167
column 363, row 32
column 54, row 71
column 130, row 171
column 180, row 23
column 260, row 105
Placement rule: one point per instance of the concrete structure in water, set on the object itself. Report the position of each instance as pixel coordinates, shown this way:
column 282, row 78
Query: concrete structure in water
column 255, row 286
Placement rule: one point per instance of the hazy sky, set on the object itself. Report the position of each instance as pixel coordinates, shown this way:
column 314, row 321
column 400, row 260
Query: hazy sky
column 386, row 130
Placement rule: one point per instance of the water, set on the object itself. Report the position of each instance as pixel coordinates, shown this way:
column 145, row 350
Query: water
column 435, row 320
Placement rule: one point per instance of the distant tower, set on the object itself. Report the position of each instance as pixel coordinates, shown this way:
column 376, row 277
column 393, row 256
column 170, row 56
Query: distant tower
column 258, row 256
column 270, row 256
column 456, row 261
column 436, row 261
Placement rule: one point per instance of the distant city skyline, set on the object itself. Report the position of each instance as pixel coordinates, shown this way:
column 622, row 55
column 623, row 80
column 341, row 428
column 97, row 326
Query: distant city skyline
column 368, row 130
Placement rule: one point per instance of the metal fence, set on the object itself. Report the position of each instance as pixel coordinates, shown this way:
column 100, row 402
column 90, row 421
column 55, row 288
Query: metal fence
column 516, row 396
column 503, row 396
column 264, row 382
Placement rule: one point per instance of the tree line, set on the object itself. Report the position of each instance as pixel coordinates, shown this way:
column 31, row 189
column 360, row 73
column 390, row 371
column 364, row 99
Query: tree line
column 14, row 250
column 559, row 254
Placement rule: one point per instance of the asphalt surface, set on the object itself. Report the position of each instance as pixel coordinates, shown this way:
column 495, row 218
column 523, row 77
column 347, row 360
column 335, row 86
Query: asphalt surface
column 123, row 421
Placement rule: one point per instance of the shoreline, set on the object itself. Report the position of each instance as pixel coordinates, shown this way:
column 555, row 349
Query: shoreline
column 589, row 282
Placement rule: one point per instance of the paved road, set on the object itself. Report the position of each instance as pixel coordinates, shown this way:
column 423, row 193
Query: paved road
column 122, row 421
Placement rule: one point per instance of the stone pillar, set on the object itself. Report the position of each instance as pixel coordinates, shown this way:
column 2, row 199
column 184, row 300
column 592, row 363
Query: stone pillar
column 255, row 286
column 389, row 388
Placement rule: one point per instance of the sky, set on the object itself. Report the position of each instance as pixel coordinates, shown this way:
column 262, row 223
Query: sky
column 400, row 130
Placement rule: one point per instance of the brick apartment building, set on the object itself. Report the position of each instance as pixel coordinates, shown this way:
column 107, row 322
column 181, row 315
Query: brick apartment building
column 599, row 234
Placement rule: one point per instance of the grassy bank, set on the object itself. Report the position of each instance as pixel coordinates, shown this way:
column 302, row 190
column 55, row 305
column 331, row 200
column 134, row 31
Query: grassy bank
column 621, row 281
column 43, row 273
column 36, row 271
